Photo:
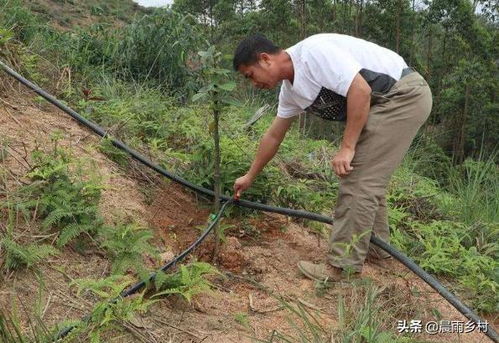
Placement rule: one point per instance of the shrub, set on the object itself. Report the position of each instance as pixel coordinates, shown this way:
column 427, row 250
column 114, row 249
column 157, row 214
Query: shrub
column 159, row 46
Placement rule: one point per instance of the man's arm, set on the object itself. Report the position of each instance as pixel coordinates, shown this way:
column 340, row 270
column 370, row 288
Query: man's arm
column 269, row 144
column 358, row 104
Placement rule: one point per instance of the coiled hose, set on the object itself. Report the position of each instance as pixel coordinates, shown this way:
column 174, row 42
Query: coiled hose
column 430, row 280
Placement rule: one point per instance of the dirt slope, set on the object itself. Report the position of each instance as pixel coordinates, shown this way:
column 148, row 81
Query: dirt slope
column 265, row 249
column 68, row 15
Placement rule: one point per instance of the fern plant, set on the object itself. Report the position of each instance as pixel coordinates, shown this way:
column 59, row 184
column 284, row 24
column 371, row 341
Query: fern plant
column 108, row 313
column 127, row 244
column 13, row 254
column 111, row 309
column 189, row 281
column 62, row 200
column 17, row 256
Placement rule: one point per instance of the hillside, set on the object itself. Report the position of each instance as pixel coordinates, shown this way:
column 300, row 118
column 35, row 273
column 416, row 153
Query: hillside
column 68, row 14
column 267, row 254
column 80, row 221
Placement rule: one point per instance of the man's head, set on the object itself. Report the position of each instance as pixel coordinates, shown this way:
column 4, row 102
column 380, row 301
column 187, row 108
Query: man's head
column 257, row 58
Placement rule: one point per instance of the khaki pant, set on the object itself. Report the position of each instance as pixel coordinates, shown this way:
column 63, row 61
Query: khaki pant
column 361, row 205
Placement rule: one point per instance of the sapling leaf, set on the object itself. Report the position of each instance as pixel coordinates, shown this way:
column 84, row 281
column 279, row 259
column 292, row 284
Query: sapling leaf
column 229, row 86
column 198, row 96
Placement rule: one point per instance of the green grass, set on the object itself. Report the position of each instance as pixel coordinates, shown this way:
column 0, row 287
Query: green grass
column 451, row 231
column 476, row 186
column 11, row 332
column 366, row 313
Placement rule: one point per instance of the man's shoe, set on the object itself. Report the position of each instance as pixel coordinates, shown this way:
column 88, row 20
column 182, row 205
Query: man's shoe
column 377, row 254
column 325, row 272
column 383, row 261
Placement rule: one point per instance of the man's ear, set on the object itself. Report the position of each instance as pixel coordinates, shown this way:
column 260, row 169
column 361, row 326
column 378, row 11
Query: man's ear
column 264, row 59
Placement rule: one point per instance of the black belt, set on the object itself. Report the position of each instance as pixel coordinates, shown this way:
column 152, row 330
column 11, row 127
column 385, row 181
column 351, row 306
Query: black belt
column 407, row 71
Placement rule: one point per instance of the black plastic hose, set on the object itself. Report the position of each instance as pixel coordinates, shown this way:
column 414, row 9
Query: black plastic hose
column 430, row 280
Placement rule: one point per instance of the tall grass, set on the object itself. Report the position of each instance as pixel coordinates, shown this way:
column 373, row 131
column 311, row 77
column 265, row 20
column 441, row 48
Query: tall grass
column 11, row 332
column 476, row 186
column 366, row 313
column 473, row 185
column 159, row 46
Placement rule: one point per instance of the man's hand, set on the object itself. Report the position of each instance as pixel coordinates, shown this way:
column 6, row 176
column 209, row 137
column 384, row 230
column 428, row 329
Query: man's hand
column 358, row 98
column 241, row 184
column 341, row 162
column 267, row 148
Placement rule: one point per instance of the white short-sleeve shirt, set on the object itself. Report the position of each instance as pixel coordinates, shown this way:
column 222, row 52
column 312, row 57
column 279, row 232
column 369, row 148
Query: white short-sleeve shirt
column 330, row 61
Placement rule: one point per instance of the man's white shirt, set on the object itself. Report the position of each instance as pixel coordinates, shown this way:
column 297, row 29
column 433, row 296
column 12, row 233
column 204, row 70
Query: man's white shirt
column 331, row 61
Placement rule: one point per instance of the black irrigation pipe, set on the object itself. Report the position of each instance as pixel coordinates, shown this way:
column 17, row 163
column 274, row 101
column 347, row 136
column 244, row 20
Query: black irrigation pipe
column 141, row 284
column 430, row 280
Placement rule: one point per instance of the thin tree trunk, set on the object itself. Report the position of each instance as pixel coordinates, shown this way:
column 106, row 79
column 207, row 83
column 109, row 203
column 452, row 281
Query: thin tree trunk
column 397, row 37
column 345, row 16
column 356, row 22
column 443, row 71
column 429, row 55
column 303, row 33
column 216, row 176
column 335, row 3
column 303, row 15
column 350, row 5
column 459, row 151
column 413, row 33
column 359, row 28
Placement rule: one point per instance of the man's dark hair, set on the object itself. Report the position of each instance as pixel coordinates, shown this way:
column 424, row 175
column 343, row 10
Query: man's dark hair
column 248, row 49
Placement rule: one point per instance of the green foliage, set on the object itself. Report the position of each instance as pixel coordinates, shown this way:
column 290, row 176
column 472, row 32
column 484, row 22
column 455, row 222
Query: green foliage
column 68, row 204
column 365, row 316
column 5, row 37
column 18, row 255
column 132, row 111
column 18, row 18
column 11, row 331
column 179, row 138
column 365, row 325
column 215, row 90
column 127, row 244
column 159, row 46
column 469, row 95
column 216, row 85
column 242, row 318
column 440, row 249
column 476, row 186
column 427, row 158
column 235, row 162
column 58, row 197
column 110, row 310
column 304, row 324
column 66, row 201
column 451, row 43
column 429, row 226
column 113, row 153
column 189, row 281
